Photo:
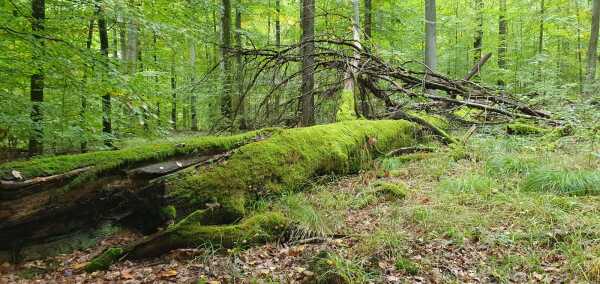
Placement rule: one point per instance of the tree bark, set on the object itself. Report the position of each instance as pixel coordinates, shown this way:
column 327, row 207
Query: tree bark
column 226, row 101
column 502, row 34
column 478, row 39
column 368, row 20
column 239, row 74
column 88, row 45
column 592, row 53
column 278, row 23
column 194, row 114
column 173, row 93
column 541, row 32
column 106, row 103
column 430, row 38
column 308, row 63
column 36, row 146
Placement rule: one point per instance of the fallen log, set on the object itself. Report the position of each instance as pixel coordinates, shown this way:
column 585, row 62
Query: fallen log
column 215, row 199
column 63, row 194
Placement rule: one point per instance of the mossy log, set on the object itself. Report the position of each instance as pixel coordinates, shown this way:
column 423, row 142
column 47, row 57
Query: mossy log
column 53, row 196
column 210, row 199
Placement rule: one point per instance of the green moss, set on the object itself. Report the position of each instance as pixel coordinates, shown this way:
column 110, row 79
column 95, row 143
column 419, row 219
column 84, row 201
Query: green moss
column 104, row 260
column 169, row 212
column 524, row 129
column 108, row 160
column 346, row 107
column 189, row 232
column 286, row 161
column 395, row 190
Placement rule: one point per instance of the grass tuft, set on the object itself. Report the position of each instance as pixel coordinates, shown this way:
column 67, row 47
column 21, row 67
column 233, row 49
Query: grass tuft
column 570, row 182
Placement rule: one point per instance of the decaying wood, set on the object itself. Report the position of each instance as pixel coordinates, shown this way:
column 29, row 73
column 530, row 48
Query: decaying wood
column 477, row 68
column 384, row 79
column 13, row 188
column 410, row 150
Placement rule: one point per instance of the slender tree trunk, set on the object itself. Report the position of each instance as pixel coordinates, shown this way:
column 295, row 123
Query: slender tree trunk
column 155, row 57
column 502, row 33
column 430, row 37
column 278, row 23
column 238, row 58
column 347, row 108
column 478, row 40
column 38, row 8
column 368, row 29
column 194, row 114
column 308, row 62
column 88, row 45
column 592, row 53
column 132, row 46
column 541, row 33
column 173, row 93
column 123, row 39
column 106, row 104
column 226, row 62
column 579, row 48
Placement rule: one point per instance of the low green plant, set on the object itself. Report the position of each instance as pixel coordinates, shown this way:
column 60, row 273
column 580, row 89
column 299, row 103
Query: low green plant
column 563, row 181
column 407, row 266
column 469, row 183
column 308, row 221
column 333, row 268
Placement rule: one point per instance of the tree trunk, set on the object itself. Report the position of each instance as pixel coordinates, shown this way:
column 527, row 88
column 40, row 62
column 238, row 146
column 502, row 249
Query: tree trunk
column 502, row 33
column 194, row 114
column 430, row 38
column 239, row 74
column 278, row 23
column 133, row 186
column 38, row 8
column 579, row 48
column 368, row 20
column 541, row 32
column 173, row 93
column 226, row 100
column 88, row 45
column 106, row 104
column 308, row 63
column 592, row 53
column 347, row 108
column 478, row 39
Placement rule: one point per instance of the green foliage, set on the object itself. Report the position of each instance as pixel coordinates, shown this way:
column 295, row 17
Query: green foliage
column 307, row 220
column 333, row 268
column 470, row 183
column 407, row 266
column 571, row 182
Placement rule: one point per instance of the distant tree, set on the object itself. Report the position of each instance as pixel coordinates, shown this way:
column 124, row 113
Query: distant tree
column 592, row 53
column 502, row 34
column 106, row 103
column 478, row 39
column 308, row 62
column 226, row 62
column 38, row 9
column 368, row 28
column 430, row 36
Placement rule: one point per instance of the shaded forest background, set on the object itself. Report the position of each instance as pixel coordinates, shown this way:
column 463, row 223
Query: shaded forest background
column 167, row 67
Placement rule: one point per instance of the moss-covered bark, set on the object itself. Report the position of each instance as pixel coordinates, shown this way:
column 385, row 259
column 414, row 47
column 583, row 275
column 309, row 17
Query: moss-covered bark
column 218, row 196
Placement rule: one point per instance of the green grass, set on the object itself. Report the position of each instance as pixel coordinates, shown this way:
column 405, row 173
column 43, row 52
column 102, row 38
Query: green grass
column 570, row 182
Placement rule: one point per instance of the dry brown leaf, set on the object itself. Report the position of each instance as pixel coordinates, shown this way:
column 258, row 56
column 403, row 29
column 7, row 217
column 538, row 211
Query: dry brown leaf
column 168, row 273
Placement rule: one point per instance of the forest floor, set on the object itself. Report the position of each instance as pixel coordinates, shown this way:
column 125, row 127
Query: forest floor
column 494, row 211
